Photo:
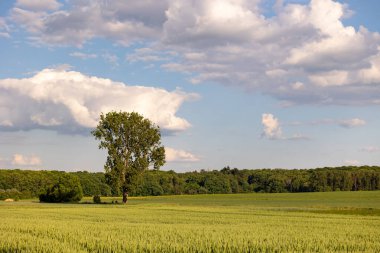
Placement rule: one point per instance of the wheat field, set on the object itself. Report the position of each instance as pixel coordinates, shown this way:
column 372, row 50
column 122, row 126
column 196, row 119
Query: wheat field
column 297, row 222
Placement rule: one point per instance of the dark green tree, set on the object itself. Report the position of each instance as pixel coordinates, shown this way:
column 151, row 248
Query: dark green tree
column 133, row 144
column 66, row 189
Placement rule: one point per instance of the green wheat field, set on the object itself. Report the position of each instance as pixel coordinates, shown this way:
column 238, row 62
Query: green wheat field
column 295, row 222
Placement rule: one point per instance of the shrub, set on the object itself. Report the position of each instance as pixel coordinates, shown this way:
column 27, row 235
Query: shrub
column 97, row 199
column 66, row 189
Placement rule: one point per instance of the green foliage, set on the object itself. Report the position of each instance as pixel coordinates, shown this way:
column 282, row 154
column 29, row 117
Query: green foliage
column 93, row 183
column 97, row 199
column 66, row 189
column 153, row 182
column 234, row 223
column 216, row 183
column 30, row 183
column 10, row 194
column 133, row 144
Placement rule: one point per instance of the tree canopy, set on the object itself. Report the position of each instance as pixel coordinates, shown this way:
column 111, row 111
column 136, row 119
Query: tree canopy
column 133, row 144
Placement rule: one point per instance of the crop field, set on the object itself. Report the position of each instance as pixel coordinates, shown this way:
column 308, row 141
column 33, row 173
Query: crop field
column 297, row 222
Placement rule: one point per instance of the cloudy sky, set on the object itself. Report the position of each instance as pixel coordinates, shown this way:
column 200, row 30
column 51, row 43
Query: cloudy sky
column 244, row 83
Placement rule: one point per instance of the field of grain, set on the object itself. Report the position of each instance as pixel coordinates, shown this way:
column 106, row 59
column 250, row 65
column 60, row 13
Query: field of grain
column 297, row 222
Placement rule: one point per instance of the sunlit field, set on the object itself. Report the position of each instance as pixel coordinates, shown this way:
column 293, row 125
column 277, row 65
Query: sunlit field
column 297, row 222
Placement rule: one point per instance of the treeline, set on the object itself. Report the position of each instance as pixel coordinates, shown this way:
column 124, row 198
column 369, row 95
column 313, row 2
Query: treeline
column 227, row 180
column 19, row 184
column 28, row 184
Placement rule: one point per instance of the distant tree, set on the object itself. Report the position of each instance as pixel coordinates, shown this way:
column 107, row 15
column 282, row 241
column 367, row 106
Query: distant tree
column 133, row 144
column 66, row 189
column 96, row 199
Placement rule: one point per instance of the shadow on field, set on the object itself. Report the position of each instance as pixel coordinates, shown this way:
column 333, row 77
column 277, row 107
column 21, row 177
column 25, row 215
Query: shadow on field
column 102, row 203
column 80, row 203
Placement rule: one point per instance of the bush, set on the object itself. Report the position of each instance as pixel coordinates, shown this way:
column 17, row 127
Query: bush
column 66, row 189
column 97, row 199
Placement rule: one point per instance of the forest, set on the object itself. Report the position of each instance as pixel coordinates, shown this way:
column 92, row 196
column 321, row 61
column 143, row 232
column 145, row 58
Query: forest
column 22, row 184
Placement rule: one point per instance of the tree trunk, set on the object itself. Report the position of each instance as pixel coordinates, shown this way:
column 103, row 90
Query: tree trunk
column 125, row 196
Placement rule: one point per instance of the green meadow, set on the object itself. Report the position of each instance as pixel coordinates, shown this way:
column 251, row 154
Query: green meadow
column 276, row 222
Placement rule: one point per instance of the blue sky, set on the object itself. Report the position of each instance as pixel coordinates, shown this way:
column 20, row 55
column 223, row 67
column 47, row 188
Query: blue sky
column 249, row 84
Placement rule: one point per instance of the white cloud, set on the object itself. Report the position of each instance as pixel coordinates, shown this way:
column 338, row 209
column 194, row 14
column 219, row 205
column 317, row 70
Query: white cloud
column 174, row 155
column 211, row 23
column 231, row 42
column 333, row 43
column 123, row 22
column 21, row 160
column 352, row 123
column 272, row 129
column 334, row 63
column 38, row 5
column 30, row 20
column 83, row 56
column 4, row 29
column 70, row 101
column 370, row 149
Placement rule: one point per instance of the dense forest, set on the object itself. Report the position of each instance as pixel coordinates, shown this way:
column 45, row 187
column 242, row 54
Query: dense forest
column 27, row 184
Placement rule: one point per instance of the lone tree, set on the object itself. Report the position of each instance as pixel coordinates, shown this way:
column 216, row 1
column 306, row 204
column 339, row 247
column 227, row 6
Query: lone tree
column 133, row 144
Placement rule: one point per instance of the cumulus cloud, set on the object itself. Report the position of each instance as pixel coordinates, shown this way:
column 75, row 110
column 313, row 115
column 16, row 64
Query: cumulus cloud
column 69, row 101
column 265, row 54
column 335, row 64
column 302, row 54
column 272, row 129
column 174, row 155
column 334, row 43
column 211, row 23
column 123, row 22
column 21, row 160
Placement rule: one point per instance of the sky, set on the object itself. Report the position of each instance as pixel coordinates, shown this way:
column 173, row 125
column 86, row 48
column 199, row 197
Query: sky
column 240, row 83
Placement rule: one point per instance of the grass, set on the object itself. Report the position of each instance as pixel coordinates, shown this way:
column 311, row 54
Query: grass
column 298, row 222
